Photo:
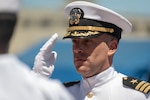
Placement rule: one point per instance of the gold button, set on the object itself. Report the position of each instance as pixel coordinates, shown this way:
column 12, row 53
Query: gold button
column 90, row 95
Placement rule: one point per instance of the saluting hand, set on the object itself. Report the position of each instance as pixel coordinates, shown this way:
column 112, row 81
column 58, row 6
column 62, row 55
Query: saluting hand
column 45, row 59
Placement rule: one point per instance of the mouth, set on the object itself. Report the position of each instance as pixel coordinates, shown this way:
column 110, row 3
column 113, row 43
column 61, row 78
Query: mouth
column 79, row 60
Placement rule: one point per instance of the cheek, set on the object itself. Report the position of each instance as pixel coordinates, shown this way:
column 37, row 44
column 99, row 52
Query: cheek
column 99, row 54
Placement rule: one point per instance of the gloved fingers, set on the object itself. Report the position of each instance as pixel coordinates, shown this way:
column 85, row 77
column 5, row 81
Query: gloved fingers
column 47, row 71
column 48, row 58
column 45, row 66
column 47, row 47
column 53, row 57
column 37, row 65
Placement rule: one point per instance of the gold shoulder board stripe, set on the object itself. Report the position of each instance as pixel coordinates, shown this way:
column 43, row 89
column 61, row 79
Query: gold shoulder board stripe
column 147, row 89
column 137, row 84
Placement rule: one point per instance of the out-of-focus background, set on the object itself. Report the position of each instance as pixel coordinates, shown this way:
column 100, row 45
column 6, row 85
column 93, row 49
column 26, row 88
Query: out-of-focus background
column 39, row 19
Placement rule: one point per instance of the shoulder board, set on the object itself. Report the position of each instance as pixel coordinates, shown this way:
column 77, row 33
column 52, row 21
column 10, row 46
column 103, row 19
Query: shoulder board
column 137, row 84
column 68, row 84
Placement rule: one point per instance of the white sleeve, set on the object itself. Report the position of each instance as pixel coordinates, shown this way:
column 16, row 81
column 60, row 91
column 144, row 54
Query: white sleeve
column 54, row 90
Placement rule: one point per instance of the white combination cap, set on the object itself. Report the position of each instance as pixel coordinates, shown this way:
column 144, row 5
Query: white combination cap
column 87, row 19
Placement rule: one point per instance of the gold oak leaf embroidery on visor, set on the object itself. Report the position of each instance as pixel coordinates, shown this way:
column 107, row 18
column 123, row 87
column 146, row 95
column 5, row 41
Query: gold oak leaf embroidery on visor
column 90, row 30
column 75, row 33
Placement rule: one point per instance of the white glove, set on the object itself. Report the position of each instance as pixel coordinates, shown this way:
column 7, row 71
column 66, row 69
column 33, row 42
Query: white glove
column 45, row 59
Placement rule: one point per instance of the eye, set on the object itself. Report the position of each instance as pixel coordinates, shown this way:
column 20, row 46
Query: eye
column 74, row 41
column 87, row 40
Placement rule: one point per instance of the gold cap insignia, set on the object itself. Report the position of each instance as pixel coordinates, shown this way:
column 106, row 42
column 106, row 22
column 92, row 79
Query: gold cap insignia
column 75, row 15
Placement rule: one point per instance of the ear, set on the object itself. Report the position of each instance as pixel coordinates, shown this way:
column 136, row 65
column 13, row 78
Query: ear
column 113, row 45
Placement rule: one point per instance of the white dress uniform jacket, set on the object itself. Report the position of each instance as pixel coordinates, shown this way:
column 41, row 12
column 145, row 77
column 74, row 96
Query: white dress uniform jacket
column 18, row 83
column 107, row 85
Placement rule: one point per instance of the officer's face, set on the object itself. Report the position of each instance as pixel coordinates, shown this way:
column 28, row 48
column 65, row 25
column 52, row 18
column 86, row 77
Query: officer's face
column 92, row 56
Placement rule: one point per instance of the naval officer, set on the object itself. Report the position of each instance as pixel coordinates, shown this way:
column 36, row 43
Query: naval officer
column 95, row 32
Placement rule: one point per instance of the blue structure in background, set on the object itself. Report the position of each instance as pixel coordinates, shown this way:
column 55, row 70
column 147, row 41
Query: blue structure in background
column 132, row 58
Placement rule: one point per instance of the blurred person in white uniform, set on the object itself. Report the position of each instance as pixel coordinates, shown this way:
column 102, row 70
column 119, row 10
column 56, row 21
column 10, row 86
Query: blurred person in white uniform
column 95, row 32
column 17, row 82
column 9, row 10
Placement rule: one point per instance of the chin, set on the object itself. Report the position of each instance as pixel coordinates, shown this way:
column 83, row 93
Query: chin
column 81, row 69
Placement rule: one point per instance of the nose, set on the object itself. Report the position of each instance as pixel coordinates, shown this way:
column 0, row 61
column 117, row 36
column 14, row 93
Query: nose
column 78, row 49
